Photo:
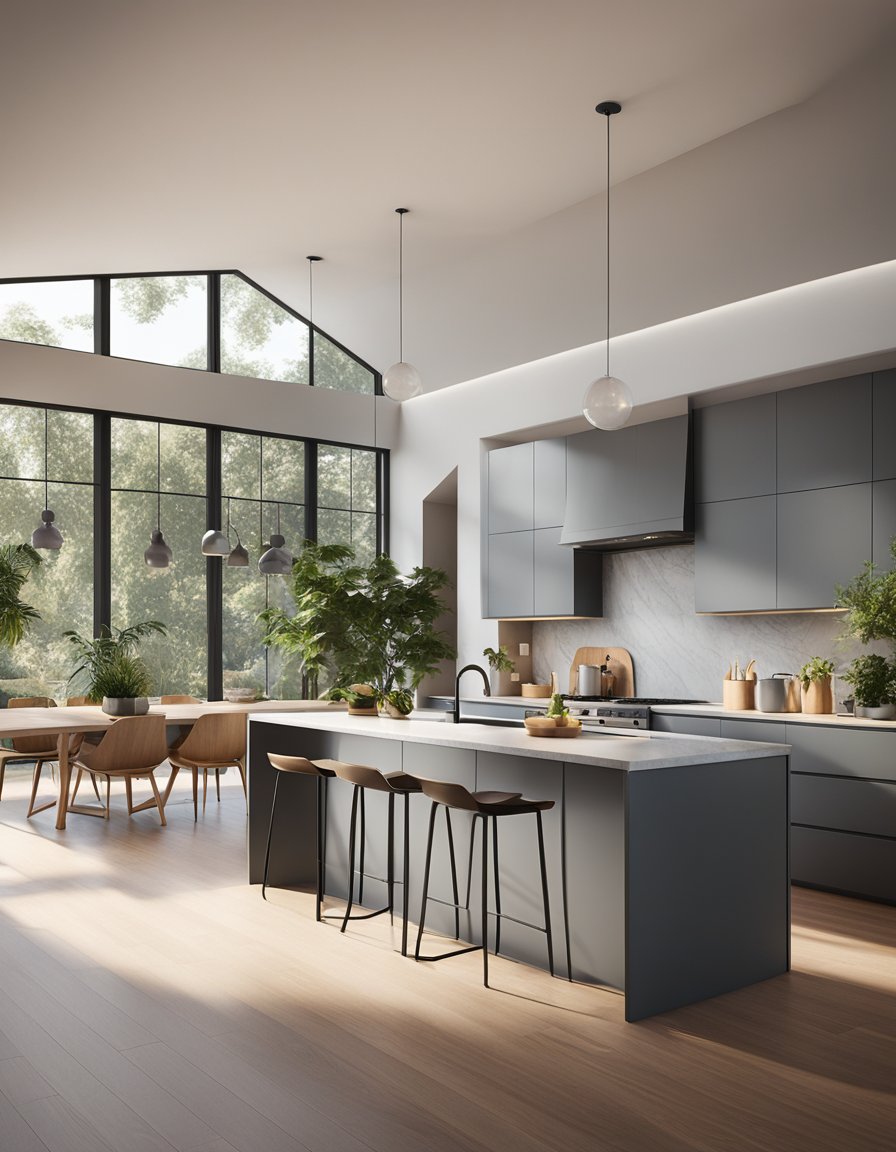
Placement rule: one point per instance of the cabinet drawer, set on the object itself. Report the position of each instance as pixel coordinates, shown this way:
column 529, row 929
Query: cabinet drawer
column 848, row 805
column 768, row 731
column 845, row 862
column 842, row 751
column 686, row 725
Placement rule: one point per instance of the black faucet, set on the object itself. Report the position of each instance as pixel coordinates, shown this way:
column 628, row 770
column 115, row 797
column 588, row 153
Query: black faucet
column 468, row 668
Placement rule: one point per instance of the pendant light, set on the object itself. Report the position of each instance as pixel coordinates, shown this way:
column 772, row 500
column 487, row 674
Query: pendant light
column 276, row 559
column 401, row 381
column 158, row 554
column 215, row 543
column 239, row 557
column 47, row 535
column 608, row 400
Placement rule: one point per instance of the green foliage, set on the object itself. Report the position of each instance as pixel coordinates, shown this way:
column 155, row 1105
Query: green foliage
column 401, row 700
column 870, row 603
column 498, row 660
column 555, row 708
column 146, row 298
column 109, row 664
column 21, row 322
column 17, row 562
column 816, row 669
column 873, row 678
column 363, row 623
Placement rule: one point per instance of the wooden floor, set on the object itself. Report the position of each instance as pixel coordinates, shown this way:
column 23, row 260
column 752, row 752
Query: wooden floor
column 150, row 1000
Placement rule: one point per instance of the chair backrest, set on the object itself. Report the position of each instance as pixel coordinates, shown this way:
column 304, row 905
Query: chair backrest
column 39, row 745
column 216, row 738
column 453, row 795
column 133, row 742
column 82, row 702
column 179, row 700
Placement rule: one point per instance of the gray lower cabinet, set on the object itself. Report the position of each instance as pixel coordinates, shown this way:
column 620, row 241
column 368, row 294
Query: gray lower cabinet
column 823, row 539
column 686, row 725
column 843, row 862
column 736, row 555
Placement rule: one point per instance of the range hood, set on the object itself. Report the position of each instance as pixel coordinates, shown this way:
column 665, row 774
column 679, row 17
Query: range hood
column 631, row 488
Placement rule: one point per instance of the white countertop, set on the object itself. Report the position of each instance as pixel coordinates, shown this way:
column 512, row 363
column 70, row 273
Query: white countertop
column 839, row 721
column 628, row 754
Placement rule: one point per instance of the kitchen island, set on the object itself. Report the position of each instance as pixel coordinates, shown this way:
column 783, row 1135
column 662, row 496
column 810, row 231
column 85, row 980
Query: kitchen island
column 667, row 855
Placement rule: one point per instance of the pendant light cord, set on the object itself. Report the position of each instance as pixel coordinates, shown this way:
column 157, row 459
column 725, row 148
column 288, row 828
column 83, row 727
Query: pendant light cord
column 402, row 212
column 608, row 245
column 159, row 475
column 46, row 458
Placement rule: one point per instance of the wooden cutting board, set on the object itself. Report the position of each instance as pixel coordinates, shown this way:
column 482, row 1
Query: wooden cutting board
column 619, row 663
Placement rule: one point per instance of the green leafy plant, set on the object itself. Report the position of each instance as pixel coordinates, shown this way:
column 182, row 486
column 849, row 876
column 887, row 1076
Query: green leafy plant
column 556, row 708
column 401, row 700
column 356, row 695
column 498, row 660
column 109, row 664
column 17, row 562
column 361, row 623
column 873, row 679
column 815, row 669
column 870, row 603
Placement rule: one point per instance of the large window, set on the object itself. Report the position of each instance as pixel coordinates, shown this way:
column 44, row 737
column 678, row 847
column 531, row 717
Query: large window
column 211, row 321
column 151, row 474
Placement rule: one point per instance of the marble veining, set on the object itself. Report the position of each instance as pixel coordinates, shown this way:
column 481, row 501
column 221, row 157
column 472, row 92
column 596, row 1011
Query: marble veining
column 649, row 609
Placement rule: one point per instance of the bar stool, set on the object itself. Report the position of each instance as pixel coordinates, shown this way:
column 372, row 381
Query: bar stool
column 364, row 778
column 485, row 806
column 298, row 765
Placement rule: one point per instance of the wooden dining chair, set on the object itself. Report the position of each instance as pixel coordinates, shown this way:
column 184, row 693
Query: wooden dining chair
column 131, row 749
column 25, row 749
column 175, row 699
column 216, row 742
column 82, row 702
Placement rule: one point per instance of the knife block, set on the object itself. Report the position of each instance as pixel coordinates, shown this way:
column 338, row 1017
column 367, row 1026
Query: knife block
column 739, row 695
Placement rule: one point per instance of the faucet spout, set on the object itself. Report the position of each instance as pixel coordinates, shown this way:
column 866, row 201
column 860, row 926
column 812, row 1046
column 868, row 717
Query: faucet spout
column 486, row 690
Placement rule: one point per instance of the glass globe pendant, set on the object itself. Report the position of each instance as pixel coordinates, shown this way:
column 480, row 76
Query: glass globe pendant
column 607, row 403
column 402, row 380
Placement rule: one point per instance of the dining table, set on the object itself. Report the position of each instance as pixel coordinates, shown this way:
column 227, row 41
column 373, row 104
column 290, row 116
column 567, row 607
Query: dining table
column 74, row 720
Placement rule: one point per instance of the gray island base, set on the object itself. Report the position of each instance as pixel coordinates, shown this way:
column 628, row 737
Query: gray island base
column 667, row 857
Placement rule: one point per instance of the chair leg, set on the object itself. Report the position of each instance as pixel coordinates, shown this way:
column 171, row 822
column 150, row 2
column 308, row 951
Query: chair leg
column 321, row 843
column 195, row 795
column 159, row 804
column 485, row 899
column 108, row 797
column 2, row 777
column 421, row 925
column 35, row 780
column 351, row 851
column 204, row 788
column 128, row 791
column 242, row 768
column 361, row 854
column 267, row 852
column 497, row 887
column 473, row 826
column 390, row 858
column 78, row 785
column 218, row 783
column 544, row 892
column 405, row 876
column 95, row 787
column 453, row 875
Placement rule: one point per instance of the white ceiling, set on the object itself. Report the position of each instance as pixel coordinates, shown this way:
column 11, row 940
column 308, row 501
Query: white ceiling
column 184, row 134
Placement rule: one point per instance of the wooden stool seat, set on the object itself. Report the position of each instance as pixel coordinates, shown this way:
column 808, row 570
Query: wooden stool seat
column 484, row 806
column 300, row 765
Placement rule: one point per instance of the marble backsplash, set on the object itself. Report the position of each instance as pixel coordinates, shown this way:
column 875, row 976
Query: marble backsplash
column 649, row 609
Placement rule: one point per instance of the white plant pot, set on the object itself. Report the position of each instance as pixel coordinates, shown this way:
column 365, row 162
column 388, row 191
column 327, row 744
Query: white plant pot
column 882, row 712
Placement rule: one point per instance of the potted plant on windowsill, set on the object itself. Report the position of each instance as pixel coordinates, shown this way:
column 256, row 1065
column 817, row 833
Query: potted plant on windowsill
column 110, row 668
column 361, row 624
column 815, row 680
column 873, row 679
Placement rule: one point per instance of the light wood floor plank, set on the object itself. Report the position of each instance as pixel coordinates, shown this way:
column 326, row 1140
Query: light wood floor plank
column 145, row 976
column 17, row 1133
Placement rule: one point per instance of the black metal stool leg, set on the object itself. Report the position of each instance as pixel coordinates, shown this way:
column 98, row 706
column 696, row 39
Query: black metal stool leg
column 453, row 876
column 470, row 862
column 363, row 842
column 321, row 792
column 351, row 851
column 432, row 824
column 544, row 892
column 405, row 876
column 267, row 854
column 484, row 820
column 390, row 858
column 497, row 887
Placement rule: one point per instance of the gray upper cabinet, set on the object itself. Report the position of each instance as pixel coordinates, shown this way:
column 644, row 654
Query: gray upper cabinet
column 550, row 482
column 511, row 484
column 883, row 523
column 884, row 401
column 735, row 449
column 736, row 543
column 511, row 589
column 824, row 435
column 554, row 592
column 824, row 538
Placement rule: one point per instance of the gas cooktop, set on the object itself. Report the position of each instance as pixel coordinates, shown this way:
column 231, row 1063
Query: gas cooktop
column 630, row 700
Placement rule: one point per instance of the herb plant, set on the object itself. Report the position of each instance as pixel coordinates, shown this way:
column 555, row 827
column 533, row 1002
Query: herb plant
column 873, row 679
column 870, row 603
column 498, row 659
column 816, row 669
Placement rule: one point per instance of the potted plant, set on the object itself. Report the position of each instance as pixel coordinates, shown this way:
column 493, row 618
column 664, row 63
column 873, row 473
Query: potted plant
column 17, row 562
column 110, row 668
column 815, row 686
column 557, row 712
column 361, row 699
column 870, row 603
column 498, row 662
column 873, row 679
column 361, row 624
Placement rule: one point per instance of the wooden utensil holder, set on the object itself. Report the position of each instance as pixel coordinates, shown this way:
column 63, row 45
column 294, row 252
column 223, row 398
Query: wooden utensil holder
column 739, row 695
